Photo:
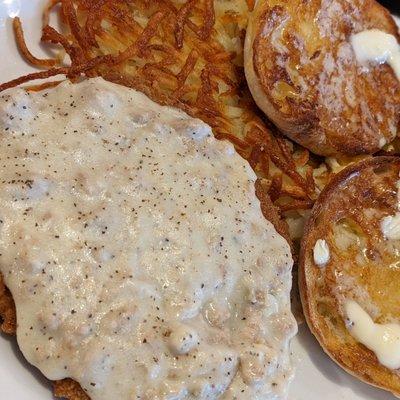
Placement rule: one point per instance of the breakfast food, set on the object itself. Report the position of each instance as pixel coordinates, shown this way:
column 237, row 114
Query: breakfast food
column 189, row 55
column 303, row 72
column 186, row 54
column 349, row 271
column 136, row 251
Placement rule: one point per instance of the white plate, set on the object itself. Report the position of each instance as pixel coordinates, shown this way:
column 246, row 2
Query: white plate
column 317, row 376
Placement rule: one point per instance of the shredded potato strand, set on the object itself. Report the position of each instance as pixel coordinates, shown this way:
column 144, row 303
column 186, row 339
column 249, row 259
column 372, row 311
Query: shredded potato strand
column 23, row 48
column 35, row 75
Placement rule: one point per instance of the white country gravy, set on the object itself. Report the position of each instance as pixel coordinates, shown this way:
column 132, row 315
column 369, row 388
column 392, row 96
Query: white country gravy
column 136, row 251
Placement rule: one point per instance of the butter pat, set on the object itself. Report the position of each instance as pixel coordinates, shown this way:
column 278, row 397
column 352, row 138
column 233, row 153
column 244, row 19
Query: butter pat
column 321, row 252
column 377, row 47
column 383, row 340
column 390, row 226
column 382, row 142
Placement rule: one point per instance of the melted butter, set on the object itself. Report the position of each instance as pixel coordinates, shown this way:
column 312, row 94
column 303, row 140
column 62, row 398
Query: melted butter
column 397, row 20
column 390, row 225
column 378, row 47
column 382, row 339
column 321, row 252
column 136, row 251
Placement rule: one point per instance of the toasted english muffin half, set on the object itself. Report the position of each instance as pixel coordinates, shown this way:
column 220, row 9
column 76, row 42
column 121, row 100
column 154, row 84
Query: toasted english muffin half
column 347, row 261
column 303, row 73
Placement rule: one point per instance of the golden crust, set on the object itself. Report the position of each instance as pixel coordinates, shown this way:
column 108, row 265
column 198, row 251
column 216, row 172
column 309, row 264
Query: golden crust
column 347, row 215
column 7, row 310
column 303, row 74
column 69, row 389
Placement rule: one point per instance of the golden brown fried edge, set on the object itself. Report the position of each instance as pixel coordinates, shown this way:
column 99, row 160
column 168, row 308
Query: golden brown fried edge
column 347, row 353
